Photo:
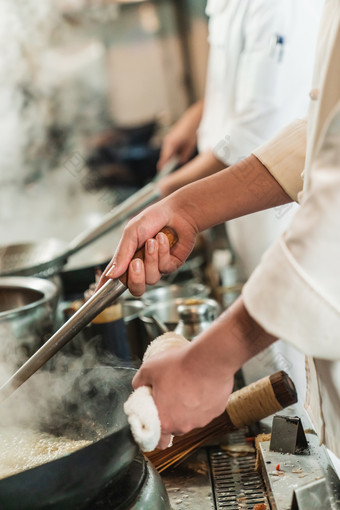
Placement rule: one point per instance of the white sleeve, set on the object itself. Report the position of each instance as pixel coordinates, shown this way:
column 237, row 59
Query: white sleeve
column 264, row 75
column 295, row 291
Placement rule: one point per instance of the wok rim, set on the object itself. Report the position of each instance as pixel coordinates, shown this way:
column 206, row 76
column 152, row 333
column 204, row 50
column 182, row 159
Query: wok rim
column 74, row 454
column 58, row 260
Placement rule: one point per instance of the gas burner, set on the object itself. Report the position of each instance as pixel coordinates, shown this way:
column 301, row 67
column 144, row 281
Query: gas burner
column 141, row 487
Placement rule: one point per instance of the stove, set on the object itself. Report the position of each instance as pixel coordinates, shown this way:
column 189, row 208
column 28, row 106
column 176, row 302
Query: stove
column 140, row 489
column 214, row 478
column 224, row 477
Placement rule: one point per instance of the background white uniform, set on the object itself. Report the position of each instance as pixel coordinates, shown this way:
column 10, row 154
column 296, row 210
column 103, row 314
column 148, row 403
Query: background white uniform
column 258, row 78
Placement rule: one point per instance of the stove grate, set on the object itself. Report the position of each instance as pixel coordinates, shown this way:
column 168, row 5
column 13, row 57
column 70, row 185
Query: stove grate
column 236, row 484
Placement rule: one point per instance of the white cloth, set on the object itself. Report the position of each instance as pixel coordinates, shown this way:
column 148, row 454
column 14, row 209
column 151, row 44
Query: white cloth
column 259, row 72
column 164, row 343
column 295, row 292
column 143, row 418
column 140, row 407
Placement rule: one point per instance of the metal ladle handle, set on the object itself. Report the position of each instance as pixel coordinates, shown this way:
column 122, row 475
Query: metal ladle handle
column 130, row 206
column 108, row 293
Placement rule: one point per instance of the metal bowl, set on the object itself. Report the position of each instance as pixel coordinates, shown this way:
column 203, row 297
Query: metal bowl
column 175, row 291
column 27, row 314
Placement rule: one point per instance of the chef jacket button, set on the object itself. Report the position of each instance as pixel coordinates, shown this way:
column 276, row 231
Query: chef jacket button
column 314, row 94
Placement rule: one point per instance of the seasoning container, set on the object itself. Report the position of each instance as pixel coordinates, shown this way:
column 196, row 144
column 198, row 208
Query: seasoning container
column 109, row 326
column 196, row 316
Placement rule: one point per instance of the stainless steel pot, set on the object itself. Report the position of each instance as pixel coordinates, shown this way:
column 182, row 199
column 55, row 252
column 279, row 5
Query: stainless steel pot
column 175, row 291
column 167, row 312
column 27, row 314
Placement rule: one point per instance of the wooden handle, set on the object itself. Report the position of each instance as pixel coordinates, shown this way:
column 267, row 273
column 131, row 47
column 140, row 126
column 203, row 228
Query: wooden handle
column 172, row 238
column 245, row 406
column 261, row 399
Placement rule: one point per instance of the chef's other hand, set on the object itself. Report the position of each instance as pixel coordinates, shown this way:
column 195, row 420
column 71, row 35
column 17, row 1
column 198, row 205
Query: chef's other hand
column 145, row 229
column 188, row 393
column 181, row 141
column 177, row 143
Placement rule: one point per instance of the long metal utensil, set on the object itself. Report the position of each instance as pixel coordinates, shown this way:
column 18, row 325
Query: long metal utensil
column 143, row 197
column 48, row 256
column 108, row 293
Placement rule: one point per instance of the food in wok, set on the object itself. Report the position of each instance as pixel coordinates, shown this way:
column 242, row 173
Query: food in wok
column 86, row 430
column 22, row 449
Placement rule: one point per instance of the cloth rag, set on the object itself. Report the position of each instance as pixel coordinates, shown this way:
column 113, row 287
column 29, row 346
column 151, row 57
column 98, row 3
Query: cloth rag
column 140, row 408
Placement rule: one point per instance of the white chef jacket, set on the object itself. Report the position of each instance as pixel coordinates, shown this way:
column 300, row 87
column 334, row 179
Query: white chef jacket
column 295, row 292
column 259, row 71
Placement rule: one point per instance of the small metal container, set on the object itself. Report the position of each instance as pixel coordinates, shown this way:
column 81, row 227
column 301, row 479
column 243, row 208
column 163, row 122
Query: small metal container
column 167, row 313
column 195, row 316
column 27, row 316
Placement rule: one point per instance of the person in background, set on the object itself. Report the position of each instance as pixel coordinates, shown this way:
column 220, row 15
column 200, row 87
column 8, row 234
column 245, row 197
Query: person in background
column 259, row 71
column 293, row 294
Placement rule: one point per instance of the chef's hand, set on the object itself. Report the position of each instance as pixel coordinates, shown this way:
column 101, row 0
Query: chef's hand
column 188, row 393
column 191, row 384
column 181, row 140
column 158, row 258
column 177, row 142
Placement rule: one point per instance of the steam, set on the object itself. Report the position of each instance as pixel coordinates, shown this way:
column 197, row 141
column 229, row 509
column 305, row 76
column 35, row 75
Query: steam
column 52, row 96
column 47, row 109
column 78, row 395
column 25, row 26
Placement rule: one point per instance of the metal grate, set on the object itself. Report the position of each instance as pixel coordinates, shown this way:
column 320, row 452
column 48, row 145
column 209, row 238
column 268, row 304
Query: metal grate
column 236, row 484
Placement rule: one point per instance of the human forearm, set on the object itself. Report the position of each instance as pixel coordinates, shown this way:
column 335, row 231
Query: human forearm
column 192, row 117
column 202, row 166
column 205, row 367
column 181, row 139
column 231, row 340
column 242, row 189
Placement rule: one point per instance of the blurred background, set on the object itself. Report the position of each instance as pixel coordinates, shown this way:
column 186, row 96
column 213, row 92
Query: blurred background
column 87, row 90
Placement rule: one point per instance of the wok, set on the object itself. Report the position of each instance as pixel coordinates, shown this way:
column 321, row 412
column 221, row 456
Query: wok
column 72, row 481
column 47, row 257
